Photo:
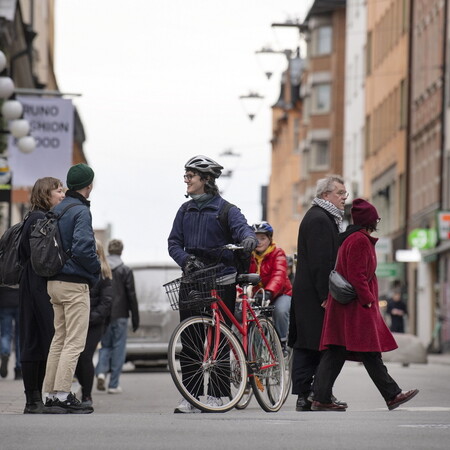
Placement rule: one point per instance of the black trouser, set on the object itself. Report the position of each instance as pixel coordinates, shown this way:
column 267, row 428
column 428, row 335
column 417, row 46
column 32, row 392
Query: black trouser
column 219, row 385
column 85, row 367
column 304, row 366
column 331, row 364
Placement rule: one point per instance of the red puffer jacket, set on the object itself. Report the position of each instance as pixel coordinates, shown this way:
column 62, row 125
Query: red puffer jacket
column 273, row 271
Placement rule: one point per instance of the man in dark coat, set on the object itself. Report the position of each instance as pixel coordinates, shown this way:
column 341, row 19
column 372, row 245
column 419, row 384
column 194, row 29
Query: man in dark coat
column 113, row 350
column 316, row 253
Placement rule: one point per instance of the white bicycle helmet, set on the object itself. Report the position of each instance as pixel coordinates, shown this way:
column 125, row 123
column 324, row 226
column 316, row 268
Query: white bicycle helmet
column 204, row 164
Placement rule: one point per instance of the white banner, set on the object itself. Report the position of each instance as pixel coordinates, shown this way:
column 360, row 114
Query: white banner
column 51, row 124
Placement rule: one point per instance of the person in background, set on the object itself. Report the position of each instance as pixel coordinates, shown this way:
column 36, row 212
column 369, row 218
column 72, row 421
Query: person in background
column 357, row 330
column 101, row 301
column 290, row 268
column 113, row 343
column 316, row 254
column 9, row 329
column 193, row 242
column 35, row 310
column 69, row 293
column 269, row 261
column 397, row 310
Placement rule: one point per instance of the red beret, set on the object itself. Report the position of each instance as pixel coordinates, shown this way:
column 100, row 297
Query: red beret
column 363, row 213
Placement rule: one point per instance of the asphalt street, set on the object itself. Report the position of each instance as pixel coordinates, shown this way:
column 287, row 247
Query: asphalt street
column 142, row 417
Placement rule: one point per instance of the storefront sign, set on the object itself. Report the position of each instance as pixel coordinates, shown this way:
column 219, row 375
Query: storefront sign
column 422, row 238
column 51, row 124
column 443, row 223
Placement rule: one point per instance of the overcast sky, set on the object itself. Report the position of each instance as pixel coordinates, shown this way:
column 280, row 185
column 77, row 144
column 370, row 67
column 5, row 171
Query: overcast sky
column 160, row 82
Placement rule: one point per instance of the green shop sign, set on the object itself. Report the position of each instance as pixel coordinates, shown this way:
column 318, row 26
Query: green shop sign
column 422, row 238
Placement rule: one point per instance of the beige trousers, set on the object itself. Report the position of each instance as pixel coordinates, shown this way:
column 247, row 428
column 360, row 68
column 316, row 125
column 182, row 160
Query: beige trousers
column 71, row 305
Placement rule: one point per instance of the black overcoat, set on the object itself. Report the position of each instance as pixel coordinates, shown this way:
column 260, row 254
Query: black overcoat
column 35, row 310
column 316, row 254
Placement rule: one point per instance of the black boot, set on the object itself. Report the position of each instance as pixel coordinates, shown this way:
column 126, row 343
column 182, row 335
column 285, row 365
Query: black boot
column 4, row 366
column 17, row 373
column 34, row 403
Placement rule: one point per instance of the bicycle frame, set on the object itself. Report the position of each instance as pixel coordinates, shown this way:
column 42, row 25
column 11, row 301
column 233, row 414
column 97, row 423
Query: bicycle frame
column 217, row 315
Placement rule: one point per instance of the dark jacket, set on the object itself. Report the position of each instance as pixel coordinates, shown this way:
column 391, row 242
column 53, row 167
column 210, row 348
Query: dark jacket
column 197, row 231
column 101, row 296
column 77, row 235
column 273, row 272
column 124, row 292
column 35, row 310
column 9, row 297
column 355, row 326
column 316, row 254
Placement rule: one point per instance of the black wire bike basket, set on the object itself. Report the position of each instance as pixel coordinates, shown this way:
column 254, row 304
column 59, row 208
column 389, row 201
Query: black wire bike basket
column 193, row 291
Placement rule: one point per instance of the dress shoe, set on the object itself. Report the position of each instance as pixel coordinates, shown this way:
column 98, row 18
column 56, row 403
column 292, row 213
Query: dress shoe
column 317, row 406
column 333, row 400
column 303, row 404
column 401, row 398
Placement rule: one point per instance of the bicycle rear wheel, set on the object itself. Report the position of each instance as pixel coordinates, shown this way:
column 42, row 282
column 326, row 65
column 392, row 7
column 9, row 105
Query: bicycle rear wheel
column 265, row 356
column 204, row 366
column 287, row 373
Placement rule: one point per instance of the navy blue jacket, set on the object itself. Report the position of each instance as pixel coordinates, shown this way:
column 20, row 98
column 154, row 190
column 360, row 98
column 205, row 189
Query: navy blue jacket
column 77, row 235
column 197, row 231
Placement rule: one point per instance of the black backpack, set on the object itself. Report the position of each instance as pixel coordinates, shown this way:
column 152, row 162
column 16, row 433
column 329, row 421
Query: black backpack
column 47, row 254
column 10, row 266
column 241, row 258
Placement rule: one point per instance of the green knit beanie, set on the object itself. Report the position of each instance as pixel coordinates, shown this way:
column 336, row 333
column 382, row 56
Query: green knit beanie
column 79, row 176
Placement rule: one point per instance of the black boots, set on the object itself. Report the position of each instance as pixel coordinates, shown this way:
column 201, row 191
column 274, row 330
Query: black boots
column 34, row 403
column 4, row 366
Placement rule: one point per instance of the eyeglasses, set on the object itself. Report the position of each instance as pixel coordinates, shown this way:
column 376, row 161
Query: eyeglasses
column 378, row 220
column 342, row 194
column 189, row 177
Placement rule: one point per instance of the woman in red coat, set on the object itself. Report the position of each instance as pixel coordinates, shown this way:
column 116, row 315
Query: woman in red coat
column 357, row 330
column 269, row 261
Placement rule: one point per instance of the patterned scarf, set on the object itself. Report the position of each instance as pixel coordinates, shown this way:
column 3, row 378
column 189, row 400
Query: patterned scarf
column 337, row 213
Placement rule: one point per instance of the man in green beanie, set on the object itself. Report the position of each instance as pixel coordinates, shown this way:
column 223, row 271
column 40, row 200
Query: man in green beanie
column 69, row 293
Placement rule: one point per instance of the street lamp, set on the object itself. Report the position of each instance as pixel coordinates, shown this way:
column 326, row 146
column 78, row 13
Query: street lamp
column 12, row 110
column 270, row 59
column 251, row 103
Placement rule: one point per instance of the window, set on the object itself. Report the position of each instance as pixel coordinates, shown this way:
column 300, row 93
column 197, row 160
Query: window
column 323, row 40
column 321, row 98
column 321, row 154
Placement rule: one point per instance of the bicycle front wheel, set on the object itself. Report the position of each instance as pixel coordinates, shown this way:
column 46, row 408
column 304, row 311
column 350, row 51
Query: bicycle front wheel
column 207, row 364
column 265, row 356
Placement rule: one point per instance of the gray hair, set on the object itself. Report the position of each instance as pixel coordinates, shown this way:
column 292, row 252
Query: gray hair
column 326, row 184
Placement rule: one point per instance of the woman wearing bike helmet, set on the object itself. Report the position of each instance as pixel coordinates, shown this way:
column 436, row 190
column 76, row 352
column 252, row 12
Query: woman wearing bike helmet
column 269, row 261
column 197, row 233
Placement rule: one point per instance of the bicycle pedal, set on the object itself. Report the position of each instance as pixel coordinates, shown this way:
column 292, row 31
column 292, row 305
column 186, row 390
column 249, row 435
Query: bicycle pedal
column 258, row 383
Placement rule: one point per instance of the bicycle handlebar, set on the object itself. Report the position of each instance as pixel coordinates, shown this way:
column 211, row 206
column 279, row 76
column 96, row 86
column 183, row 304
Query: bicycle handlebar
column 232, row 247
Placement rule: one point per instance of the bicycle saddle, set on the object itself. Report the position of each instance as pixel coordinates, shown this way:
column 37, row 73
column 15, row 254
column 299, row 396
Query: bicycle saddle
column 248, row 278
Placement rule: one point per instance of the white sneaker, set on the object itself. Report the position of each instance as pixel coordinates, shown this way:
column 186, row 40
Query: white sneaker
column 117, row 390
column 101, row 381
column 186, row 408
column 214, row 402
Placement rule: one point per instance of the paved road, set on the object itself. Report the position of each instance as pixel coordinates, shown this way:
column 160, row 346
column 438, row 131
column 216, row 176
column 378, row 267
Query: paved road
column 142, row 418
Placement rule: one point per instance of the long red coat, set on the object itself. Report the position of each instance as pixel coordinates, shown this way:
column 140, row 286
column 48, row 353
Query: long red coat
column 273, row 272
column 355, row 326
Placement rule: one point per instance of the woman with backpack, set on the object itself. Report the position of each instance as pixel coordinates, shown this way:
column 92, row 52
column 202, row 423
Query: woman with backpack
column 35, row 310
column 198, row 232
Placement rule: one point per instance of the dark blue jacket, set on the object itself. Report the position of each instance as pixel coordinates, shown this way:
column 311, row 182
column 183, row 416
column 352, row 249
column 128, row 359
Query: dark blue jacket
column 197, row 231
column 77, row 235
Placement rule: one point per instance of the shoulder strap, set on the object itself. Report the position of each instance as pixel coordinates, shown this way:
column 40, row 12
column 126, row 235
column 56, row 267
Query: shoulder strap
column 223, row 219
column 64, row 210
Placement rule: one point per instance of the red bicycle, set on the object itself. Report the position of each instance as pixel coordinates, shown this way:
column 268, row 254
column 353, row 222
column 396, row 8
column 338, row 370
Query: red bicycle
column 207, row 359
